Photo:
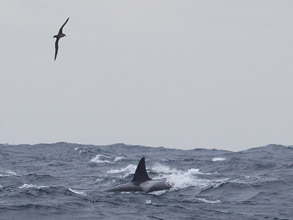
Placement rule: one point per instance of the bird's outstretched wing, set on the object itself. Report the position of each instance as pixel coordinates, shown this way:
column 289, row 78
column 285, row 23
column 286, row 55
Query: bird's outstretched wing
column 60, row 30
column 56, row 47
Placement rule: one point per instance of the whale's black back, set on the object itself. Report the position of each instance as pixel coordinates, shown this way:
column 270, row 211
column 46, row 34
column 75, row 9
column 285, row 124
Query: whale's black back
column 141, row 173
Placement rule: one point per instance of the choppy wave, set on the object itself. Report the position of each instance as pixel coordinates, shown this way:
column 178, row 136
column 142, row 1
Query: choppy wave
column 180, row 179
column 119, row 159
column 31, row 186
column 148, row 202
column 208, row 201
column 68, row 181
column 78, row 192
column 5, row 173
column 218, row 159
column 129, row 169
column 100, row 159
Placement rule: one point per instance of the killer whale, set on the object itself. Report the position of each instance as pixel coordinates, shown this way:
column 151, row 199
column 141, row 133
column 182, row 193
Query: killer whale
column 141, row 182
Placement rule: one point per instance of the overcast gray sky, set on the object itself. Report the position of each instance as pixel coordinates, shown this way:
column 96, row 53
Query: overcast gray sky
column 179, row 74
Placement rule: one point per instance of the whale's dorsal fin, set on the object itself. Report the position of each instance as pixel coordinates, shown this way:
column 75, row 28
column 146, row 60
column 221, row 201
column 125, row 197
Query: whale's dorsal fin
column 141, row 173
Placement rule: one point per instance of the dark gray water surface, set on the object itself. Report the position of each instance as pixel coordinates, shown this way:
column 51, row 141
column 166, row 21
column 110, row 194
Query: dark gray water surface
column 67, row 181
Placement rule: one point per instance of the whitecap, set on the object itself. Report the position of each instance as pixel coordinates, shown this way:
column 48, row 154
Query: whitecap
column 31, row 186
column 252, row 179
column 98, row 159
column 148, row 202
column 218, row 159
column 130, row 169
column 118, row 159
column 179, row 179
column 158, row 193
column 7, row 173
column 208, row 201
column 159, row 168
column 77, row 192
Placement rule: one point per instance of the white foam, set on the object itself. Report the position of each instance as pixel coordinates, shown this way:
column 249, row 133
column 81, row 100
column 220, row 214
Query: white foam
column 118, row 159
column 208, row 201
column 148, row 202
column 186, row 179
column 179, row 179
column 7, row 173
column 77, row 192
column 159, row 193
column 31, row 186
column 218, row 159
column 130, row 169
column 98, row 159
column 159, row 168
column 1, row 187
column 252, row 179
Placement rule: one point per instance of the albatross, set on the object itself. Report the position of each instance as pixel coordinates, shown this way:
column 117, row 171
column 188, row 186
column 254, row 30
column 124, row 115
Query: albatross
column 58, row 36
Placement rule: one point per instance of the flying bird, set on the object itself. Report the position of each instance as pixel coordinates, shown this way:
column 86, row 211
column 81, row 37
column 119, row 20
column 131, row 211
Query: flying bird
column 58, row 36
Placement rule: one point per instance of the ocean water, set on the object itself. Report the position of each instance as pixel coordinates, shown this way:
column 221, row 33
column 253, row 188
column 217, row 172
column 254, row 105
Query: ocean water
column 68, row 181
